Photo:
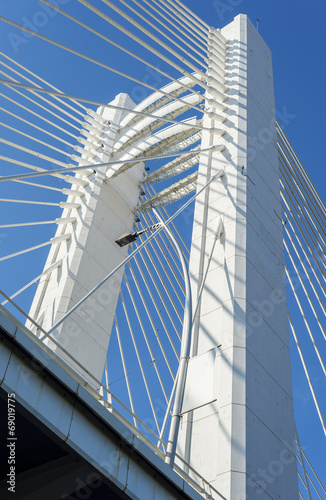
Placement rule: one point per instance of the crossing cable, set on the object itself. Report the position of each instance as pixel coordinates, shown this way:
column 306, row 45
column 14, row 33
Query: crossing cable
column 147, row 45
column 59, row 108
column 167, row 309
column 302, row 225
column 305, row 290
column 319, row 298
column 312, row 260
column 150, row 35
column 166, row 289
column 41, row 172
column 21, row 224
column 307, row 376
column 33, row 138
column 305, row 208
column 307, row 477
column 306, row 200
column 22, row 289
column 43, row 186
column 301, row 169
column 186, row 19
column 288, row 154
column 169, row 278
column 315, row 473
column 90, row 59
column 314, row 235
column 160, row 209
column 139, row 360
column 195, row 34
column 41, row 156
column 47, row 83
column 216, row 176
column 111, row 106
column 26, row 250
column 45, row 272
column 198, row 43
column 318, row 234
column 149, row 219
column 8, row 200
column 125, row 371
column 305, row 320
column 36, row 103
column 29, row 166
column 191, row 13
column 35, row 126
column 316, row 260
column 7, row 82
column 188, row 42
column 135, row 56
column 216, row 237
column 162, row 33
column 166, row 358
column 153, row 361
column 306, row 482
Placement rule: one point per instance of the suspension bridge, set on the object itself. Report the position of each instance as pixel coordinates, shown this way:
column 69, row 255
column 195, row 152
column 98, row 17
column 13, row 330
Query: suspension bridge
column 158, row 264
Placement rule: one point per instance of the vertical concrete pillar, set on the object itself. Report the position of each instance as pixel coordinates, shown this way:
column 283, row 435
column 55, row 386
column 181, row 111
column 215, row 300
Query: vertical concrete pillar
column 106, row 211
column 237, row 430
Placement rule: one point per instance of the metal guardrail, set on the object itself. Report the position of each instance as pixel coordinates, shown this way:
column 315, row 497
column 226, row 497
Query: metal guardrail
column 202, row 486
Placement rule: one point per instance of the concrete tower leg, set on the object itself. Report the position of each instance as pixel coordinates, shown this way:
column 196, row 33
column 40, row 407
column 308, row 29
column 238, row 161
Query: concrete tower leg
column 106, row 211
column 237, row 427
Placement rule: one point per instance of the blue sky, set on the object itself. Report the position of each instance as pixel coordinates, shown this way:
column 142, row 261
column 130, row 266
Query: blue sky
column 294, row 31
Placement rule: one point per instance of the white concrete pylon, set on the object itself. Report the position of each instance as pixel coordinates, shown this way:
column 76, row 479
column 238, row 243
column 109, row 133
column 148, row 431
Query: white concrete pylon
column 237, row 425
column 106, row 210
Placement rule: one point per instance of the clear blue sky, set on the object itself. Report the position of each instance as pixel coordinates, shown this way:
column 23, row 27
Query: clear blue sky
column 294, row 31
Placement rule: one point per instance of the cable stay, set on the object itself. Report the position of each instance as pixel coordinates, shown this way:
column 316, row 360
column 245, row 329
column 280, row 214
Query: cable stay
column 168, row 28
column 33, row 112
column 35, row 102
column 307, row 376
column 98, row 63
column 59, row 108
column 48, row 84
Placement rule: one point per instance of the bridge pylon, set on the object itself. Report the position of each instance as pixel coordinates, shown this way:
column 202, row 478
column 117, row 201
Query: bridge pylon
column 237, row 425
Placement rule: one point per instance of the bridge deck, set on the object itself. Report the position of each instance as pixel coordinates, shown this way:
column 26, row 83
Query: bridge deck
column 68, row 445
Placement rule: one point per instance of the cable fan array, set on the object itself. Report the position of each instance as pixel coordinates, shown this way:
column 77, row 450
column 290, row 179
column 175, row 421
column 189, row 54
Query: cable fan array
column 67, row 143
